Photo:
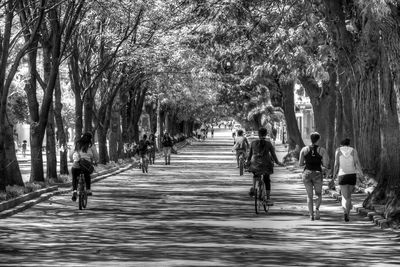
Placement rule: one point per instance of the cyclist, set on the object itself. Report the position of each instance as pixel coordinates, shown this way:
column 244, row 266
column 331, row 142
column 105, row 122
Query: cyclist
column 240, row 146
column 260, row 161
column 85, row 149
column 143, row 148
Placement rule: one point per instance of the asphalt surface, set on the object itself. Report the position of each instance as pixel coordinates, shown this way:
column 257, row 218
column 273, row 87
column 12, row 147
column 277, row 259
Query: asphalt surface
column 194, row 212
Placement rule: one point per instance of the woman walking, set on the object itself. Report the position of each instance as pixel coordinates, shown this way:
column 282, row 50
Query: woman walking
column 347, row 165
column 313, row 158
column 167, row 145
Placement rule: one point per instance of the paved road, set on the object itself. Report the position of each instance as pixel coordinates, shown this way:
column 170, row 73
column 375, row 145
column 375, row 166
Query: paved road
column 195, row 212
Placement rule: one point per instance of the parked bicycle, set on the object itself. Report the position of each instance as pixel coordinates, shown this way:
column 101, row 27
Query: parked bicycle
column 82, row 192
column 260, row 195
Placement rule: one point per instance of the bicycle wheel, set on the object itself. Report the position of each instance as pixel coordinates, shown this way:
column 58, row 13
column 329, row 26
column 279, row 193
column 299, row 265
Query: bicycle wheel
column 256, row 202
column 80, row 191
column 264, row 197
column 84, row 199
column 241, row 166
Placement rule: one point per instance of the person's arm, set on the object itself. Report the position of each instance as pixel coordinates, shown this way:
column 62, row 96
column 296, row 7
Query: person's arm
column 357, row 162
column 275, row 158
column 95, row 154
column 325, row 158
column 336, row 165
column 301, row 157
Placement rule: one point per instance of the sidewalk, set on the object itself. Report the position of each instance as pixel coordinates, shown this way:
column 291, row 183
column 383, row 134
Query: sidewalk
column 13, row 206
column 376, row 215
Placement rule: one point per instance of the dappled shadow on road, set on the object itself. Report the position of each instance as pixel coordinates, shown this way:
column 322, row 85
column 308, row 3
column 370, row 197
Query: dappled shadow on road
column 191, row 216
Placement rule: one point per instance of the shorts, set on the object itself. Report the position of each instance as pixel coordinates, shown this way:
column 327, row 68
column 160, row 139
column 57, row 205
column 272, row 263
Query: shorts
column 347, row 179
column 312, row 179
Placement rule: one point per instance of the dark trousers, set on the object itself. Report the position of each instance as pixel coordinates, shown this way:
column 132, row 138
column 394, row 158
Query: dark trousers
column 75, row 173
column 267, row 181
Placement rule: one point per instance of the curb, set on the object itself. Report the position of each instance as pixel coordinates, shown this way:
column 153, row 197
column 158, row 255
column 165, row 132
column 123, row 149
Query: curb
column 24, row 202
column 376, row 215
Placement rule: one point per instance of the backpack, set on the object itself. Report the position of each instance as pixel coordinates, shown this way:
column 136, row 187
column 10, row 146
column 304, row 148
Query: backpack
column 313, row 159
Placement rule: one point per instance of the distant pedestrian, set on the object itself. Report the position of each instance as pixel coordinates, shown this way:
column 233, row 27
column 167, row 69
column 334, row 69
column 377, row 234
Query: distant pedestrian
column 152, row 148
column 313, row 158
column 167, row 145
column 24, row 145
column 347, row 165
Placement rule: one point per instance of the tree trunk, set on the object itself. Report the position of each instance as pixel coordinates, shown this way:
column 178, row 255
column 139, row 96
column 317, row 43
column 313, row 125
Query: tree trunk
column 293, row 133
column 10, row 173
column 338, row 119
column 114, row 132
column 323, row 100
column 76, row 88
column 50, row 131
column 51, row 154
column 88, row 111
column 37, row 174
column 102, row 141
column 36, row 137
column 61, row 135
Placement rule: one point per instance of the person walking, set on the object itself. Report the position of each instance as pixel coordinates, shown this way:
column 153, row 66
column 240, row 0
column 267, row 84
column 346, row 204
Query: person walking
column 84, row 149
column 143, row 149
column 260, row 161
column 152, row 148
column 347, row 165
column 313, row 158
column 24, row 145
column 167, row 145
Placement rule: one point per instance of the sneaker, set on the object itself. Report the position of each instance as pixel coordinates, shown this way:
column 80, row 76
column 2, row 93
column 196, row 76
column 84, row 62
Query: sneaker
column 89, row 193
column 73, row 196
column 317, row 216
column 251, row 193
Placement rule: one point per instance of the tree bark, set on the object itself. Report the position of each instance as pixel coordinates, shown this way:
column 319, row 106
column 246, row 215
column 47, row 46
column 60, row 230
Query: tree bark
column 293, row 133
column 61, row 133
column 323, row 100
column 51, row 155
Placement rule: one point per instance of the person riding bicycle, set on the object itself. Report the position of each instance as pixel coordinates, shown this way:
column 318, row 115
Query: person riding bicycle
column 84, row 149
column 240, row 146
column 260, row 161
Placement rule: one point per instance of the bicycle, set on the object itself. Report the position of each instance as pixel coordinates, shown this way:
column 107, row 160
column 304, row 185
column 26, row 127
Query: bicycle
column 241, row 163
column 82, row 192
column 260, row 195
